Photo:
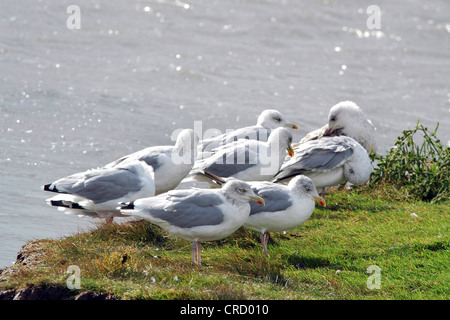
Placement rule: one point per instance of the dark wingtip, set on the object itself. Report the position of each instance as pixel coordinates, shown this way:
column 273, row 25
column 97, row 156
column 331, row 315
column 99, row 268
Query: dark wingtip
column 61, row 203
column 280, row 178
column 126, row 205
column 48, row 187
column 219, row 180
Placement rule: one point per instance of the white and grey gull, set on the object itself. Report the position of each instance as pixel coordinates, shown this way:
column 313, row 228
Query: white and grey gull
column 328, row 161
column 248, row 160
column 153, row 170
column 268, row 120
column 346, row 118
column 171, row 163
column 196, row 214
column 95, row 192
column 286, row 206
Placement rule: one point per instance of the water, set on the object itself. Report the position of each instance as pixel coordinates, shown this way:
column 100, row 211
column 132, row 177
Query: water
column 138, row 70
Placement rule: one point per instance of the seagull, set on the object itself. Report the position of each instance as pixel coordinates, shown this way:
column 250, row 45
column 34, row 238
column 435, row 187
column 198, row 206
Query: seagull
column 171, row 164
column 247, row 160
column 197, row 214
column 346, row 118
column 328, row 161
column 286, row 206
column 267, row 121
column 95, row 192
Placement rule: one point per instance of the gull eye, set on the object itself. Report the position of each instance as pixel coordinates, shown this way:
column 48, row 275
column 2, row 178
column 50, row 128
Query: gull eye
column 351, row 171
column 242, row 190
column 333, row 118
column 307, row 188
column 277, row 119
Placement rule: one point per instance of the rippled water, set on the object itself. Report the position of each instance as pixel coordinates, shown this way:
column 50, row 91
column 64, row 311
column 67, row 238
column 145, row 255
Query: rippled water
column 138, row 70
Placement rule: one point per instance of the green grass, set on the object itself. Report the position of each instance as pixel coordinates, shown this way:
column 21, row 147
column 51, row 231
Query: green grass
column 325, row 258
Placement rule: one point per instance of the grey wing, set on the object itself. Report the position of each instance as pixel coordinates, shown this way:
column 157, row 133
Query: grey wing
column 324, row 154
column 152, row 156
column 231, row 161
column 249, row 133
column 275, row 196
column 189, row 208
column 208, row 145
column 100, row 185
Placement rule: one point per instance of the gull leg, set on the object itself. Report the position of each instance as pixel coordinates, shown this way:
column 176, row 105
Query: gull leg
column 194, row 248
column 324, row 192
column 266, row 242
column 261, row 238
column 199, row 253
column 109, row 220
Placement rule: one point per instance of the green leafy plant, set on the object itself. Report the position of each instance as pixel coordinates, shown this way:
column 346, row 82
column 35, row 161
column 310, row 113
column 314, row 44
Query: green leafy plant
column 423, row 168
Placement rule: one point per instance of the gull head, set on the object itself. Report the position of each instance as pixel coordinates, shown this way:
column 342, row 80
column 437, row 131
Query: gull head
column 304, row 186
column 240, row 191
column 282, row 138
column 272, row 119
column 343, row 116
column 186, row 145
column 187, row 137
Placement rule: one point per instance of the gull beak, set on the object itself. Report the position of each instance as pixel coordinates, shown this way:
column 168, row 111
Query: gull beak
column 321, row 201
column 290, row 150
column 258, row 199
column 328, row 132
column 294, row 126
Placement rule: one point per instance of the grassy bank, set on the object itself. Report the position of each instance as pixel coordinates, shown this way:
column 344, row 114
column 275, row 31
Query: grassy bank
column 325, row 258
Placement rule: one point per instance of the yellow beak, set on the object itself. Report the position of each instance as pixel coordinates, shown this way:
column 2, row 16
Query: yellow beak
column 329, row 131
column 294, row 126
column 258, row 199
column 290, row 151
column 321, row 201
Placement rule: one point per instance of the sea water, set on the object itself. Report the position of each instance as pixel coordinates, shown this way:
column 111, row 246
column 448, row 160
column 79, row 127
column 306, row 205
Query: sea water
column 80, row 88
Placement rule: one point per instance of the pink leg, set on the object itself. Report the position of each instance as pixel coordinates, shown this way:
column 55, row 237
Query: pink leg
column 324, row 192
column 109, row 220
column 199, row 254
column 264, row 240
column 194, row 248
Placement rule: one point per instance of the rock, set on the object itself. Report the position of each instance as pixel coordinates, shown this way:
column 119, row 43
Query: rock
column 44, row 292
column 90, row 295
column 29, row 256
column 7, row 294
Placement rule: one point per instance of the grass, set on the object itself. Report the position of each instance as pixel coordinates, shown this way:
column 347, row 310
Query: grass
column 325, row 258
